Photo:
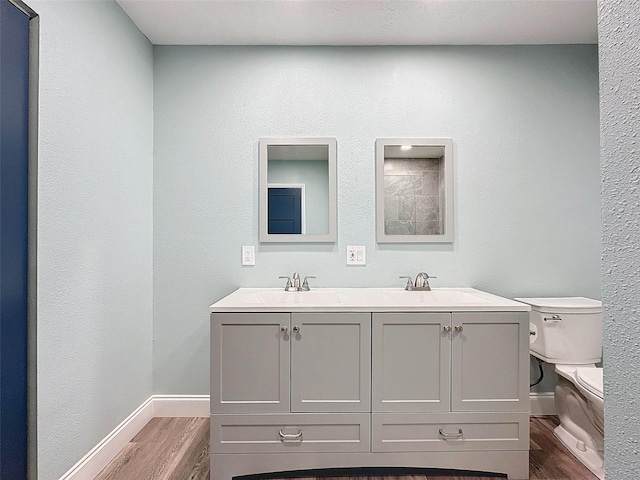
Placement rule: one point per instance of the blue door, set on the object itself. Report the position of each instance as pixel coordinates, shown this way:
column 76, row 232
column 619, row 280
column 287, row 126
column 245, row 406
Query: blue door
column 285, row 210
column 14, row 164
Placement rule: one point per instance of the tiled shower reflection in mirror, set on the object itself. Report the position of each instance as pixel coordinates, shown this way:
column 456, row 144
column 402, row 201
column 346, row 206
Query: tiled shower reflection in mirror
column 413, row 195
column 414, row 190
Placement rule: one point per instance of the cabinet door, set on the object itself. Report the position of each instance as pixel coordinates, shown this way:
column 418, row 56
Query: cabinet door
column 249, row 363
column 490, row 362
column 330, row 362
column 411, row 362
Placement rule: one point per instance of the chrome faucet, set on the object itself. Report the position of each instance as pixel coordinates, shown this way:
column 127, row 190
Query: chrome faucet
column 295, row 286
column 421, row 283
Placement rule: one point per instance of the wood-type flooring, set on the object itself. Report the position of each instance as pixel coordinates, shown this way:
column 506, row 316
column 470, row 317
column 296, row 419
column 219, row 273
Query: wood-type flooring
column 178, row 449
column 165, row 449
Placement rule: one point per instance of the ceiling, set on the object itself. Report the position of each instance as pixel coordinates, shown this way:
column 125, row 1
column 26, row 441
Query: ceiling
column 364, row 22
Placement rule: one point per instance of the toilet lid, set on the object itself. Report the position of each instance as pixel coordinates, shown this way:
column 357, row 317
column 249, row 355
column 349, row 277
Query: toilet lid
column 563, row 304
column 590, row 379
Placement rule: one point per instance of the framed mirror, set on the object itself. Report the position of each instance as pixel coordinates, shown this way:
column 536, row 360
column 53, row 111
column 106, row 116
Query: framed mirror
column 414, row 190
column 297, row 190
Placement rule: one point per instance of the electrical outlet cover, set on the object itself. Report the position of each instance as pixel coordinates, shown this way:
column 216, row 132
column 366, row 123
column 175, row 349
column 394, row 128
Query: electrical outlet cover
column 248, row 255
column 356, row 255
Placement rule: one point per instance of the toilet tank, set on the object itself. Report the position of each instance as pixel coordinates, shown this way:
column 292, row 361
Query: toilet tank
column 566, row 330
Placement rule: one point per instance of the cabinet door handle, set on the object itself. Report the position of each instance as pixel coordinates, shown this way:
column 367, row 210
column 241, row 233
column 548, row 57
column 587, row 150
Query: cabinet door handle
column 296, row 329
column 450, row 435
column 458, row 328
column 289, row 437
column 284, row 329
column 446, row 328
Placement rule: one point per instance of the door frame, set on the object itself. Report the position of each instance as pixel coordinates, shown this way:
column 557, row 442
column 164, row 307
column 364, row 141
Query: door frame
column 27, row 459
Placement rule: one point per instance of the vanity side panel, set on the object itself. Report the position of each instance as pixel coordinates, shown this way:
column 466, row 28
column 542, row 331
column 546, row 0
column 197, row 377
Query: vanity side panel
column 250, row 363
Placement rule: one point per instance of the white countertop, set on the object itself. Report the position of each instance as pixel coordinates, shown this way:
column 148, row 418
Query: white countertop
column 365, row 300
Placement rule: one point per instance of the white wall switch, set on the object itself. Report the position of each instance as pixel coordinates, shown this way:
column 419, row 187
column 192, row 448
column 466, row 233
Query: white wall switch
column 248, row 255
column 356, row 255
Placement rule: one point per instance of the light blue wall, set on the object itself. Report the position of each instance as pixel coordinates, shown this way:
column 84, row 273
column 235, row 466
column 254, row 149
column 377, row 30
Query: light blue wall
column 313, row 174
column 524, row 121
column 619, row 37
column 95, row 237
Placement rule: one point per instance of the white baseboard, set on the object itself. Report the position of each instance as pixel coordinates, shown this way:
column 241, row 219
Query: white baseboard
column 155, row 406
column 181, row 406
column 542, row 404
column 100, row 456
column 192, row 406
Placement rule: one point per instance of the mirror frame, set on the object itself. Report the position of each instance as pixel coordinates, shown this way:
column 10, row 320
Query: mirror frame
column 447, row 236
column 331, row 235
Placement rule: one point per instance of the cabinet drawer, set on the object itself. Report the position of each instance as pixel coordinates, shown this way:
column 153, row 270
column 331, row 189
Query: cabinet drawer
column 290, row 433
column 400, row 432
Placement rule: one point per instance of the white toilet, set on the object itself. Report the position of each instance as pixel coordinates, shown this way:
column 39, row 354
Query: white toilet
column 567, row 332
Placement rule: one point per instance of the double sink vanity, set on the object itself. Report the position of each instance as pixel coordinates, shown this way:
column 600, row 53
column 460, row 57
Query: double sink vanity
column 335, row 378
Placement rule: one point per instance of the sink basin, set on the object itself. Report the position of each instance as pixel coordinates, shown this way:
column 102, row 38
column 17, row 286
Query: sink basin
column 280, row 297
column 434, row 297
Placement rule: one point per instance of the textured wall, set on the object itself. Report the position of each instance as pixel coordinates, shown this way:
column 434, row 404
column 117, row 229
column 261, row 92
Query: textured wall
column 524, row 121
column 94, row 227
column 619, row 40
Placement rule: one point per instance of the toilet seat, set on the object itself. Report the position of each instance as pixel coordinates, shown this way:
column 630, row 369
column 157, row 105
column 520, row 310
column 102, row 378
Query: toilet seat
column 591, row 379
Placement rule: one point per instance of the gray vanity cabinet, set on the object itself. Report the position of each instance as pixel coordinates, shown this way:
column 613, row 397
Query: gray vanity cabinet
column 283, row 362
column 440, row 362
column 444, row 380
column 306, row 390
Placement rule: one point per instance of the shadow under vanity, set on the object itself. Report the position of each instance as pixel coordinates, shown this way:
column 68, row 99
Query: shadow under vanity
column 369, row 377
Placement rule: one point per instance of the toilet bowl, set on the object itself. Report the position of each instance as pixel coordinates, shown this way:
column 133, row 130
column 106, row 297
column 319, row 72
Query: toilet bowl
column 567, row 332
column 580, row 407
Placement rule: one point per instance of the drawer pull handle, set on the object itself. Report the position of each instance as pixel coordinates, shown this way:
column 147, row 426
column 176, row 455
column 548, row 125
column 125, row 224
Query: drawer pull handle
column 289, row 437
column 553, row 318
column 451, row 435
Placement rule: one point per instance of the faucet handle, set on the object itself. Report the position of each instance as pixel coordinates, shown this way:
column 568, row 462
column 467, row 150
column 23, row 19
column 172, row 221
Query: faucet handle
column 305, row 284
column 289, row 285
column 409, row 285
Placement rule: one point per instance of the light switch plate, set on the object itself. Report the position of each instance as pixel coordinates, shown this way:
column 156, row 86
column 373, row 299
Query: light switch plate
column 356, row 255
column 248, row 255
